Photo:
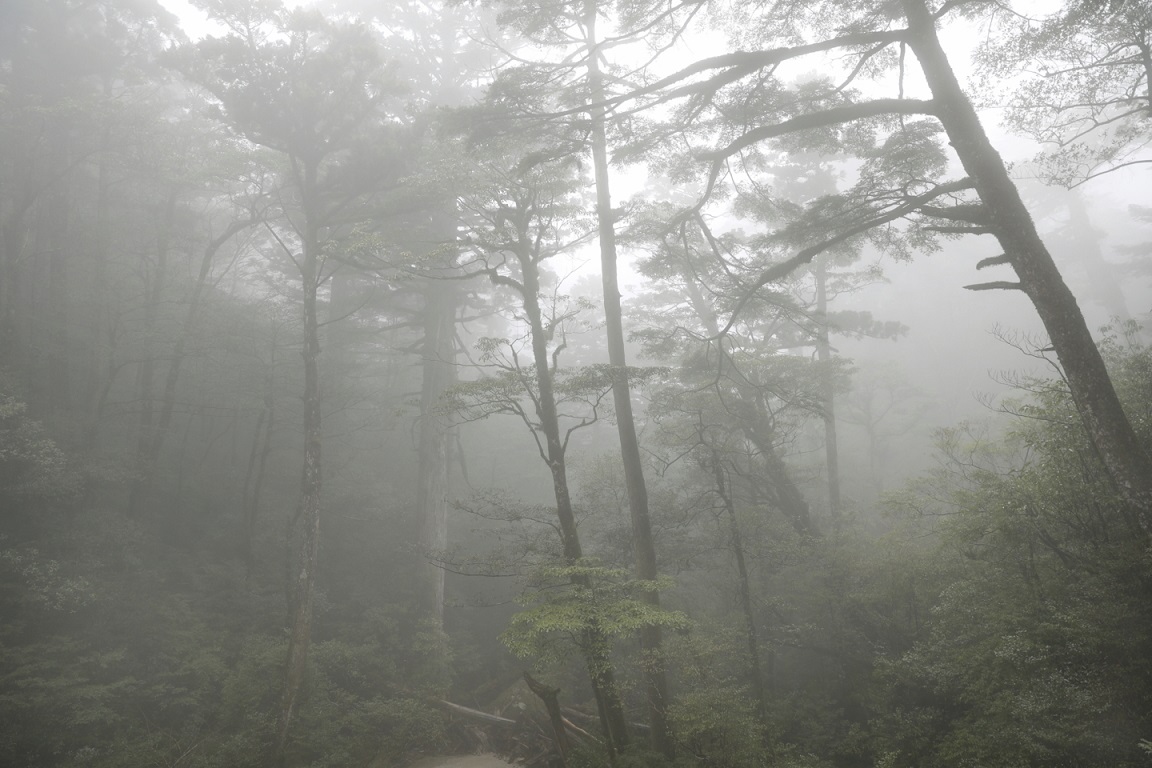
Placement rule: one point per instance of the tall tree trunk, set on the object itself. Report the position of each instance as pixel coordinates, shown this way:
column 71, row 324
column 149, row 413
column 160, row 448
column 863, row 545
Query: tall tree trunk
column 828, row 395
column 145, row 434
column 708, row 317
column 257, row 465
column 1124, row 458
column 755, row 673
column 438, row 373
column 643, row 543
column 595, row 645
column 12, row 236
column 179, row 349
column 103, row 322
column 254, row 486
column 311, row 476
column 57, row 320
column 785, row 494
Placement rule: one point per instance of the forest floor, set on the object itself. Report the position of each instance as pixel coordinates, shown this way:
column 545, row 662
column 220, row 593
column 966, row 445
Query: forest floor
column 461, row 761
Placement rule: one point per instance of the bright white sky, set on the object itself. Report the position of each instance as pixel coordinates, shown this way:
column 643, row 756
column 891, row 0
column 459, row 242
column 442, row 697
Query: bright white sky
column 195, row 24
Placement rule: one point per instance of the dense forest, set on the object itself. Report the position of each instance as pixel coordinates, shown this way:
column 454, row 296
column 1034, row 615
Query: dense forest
column 682, row 383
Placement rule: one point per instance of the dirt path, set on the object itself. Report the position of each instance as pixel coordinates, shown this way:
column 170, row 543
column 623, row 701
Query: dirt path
column 461, row 761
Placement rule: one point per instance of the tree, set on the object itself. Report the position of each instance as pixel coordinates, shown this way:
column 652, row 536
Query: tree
column 79, row 114
column 1086, row 94
column 528, row 215
column 314, row 92
column 574, row 30
column 903, row 179
column 739, row 400
column 751, row 370
column 1035, row 652
column 244, row 205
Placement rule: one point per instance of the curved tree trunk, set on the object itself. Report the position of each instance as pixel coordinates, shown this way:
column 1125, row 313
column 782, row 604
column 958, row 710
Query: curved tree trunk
column 594, row 643
column 755, row 672
column 152, row 439
column 1125, row 459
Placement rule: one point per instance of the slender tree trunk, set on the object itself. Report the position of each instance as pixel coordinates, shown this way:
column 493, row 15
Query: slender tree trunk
column 197, row 416
column 643, row 543
column 254, row 475
column 12, row 237
column 57, row 320
column 438, row 372
column 145, row 435
column 179, row 350
column 786, row 495
column 252, row 512
column 254, row 483
column 594, row 644
column 754, row 672
column 1124, row 458
column 824, row 356
column 304, row 577
column 103, row 321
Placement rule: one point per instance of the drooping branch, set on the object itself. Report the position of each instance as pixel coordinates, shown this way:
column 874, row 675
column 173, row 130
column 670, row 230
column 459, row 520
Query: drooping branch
column 811, row 121
column 741, row 63
column 823, row 119
column 786, row 267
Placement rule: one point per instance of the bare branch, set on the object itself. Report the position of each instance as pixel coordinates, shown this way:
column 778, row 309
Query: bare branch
column 993, row 261
column 974, row 213
column 997, row 285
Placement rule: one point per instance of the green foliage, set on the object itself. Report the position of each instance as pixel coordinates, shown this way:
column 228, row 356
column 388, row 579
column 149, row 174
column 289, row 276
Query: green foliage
column 409, row 727
column 568, row 601
column 339, row 727
column 33, row 470
column 1038, row 649
column 305, row 89
column 718, row 726
column 1078, row 83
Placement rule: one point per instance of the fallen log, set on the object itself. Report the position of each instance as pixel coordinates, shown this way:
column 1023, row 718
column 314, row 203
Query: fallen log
column 475, row 714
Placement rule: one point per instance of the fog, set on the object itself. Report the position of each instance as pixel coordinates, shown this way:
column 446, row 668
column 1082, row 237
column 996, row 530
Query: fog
column 575, row 384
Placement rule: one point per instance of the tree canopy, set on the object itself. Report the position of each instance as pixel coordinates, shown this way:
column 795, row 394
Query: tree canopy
column 586, row 383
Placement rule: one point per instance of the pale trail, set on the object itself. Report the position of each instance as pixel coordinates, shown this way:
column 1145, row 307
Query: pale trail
column 461, row 761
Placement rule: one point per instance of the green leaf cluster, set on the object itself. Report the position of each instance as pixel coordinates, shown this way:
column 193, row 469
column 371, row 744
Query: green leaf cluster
column 569, row 601
column 1037, row 652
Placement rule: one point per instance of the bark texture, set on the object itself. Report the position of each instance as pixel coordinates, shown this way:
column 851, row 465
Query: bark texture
column 643, row 543
column 311, row 476
column 1125, row 459
column 594, row 643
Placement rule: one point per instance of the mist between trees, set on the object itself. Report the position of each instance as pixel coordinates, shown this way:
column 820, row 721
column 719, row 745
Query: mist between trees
column 351, row 412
